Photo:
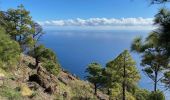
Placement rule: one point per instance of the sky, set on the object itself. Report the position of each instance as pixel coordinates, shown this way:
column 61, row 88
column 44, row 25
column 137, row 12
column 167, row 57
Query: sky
column 89, row 14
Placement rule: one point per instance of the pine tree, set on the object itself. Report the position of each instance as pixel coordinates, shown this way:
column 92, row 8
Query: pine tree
column 154, row 58
column 162, row 20
column 166, row 80
column 124, row 71
column 47, row 57
column 41, row 54
column 94, row 71
column 19, row 25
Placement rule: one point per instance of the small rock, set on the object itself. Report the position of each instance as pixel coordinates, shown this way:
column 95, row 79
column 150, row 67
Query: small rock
column 2, row 78
column 2, row 75
column 63, row 80
column 65, row 94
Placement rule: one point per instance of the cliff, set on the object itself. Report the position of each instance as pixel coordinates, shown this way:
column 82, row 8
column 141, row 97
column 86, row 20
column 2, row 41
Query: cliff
column 28, row 83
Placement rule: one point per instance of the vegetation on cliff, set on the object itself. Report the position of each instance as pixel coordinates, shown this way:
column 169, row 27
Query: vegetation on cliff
column 30, row 71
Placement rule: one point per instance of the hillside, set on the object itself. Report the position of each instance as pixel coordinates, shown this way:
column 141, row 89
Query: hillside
column 26, row 82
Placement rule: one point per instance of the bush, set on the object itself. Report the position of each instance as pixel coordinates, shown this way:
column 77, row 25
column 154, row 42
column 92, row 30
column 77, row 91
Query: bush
column 9, row 93
column 141, row 94
column 9, row 51
column 81, row 91
column 158, row 95
column 52, row 67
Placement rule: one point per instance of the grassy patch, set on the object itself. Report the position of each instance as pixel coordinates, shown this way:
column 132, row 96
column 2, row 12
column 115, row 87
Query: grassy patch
column 26, row 91
column 9, row 93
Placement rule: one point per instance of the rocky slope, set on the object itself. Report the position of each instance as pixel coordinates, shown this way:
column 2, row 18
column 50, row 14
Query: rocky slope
column 27, row 83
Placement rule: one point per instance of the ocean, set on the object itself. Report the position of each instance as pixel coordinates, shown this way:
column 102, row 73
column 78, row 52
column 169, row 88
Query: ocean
column 75, row 49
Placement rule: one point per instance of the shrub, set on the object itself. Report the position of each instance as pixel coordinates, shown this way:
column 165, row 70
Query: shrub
column 9, row 93
column 82, row 91
column 141, row 94
column 52, row 67
column 158, row 95
column 9, row 51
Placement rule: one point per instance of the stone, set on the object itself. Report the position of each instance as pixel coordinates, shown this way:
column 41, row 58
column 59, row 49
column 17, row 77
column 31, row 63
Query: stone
column 2, row 78
column 45, row 80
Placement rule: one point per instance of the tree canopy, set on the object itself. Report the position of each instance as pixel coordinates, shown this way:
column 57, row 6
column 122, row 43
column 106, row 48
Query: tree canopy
column 94, row 71
column 154, row 58
column 19, row 25
column 26, row 33
column 159, row 1
column 124, row 71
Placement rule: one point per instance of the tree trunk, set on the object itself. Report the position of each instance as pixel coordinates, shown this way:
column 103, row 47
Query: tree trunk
column 36, row 62
column 124, row 77
column 155, row 81
column 108, row 91
column 15, row 37
column 123, row 86
column 20, row 38
column 95, row 89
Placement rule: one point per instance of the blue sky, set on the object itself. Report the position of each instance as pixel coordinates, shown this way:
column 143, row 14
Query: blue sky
column 47, row 12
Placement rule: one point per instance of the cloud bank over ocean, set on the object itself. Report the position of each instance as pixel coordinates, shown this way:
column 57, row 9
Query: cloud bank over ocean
column 101, row 24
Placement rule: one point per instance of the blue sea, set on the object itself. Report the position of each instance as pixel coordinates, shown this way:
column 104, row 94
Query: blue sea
column 75, row 49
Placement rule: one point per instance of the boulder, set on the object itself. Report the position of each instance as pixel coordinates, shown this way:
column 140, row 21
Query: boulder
column 63, row 80
column 102, row 96
column 45, row 80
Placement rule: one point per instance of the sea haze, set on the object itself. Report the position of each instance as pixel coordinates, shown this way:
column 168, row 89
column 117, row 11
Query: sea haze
column 76, row 49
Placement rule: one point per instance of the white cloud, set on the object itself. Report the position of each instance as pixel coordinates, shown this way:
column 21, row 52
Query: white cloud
column 101, row 23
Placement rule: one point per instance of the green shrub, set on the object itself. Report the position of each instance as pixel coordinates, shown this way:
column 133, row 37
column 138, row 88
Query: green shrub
column 82, row 91
column 141, row 94
column 158, row 95
column 9, row 51
column 58, row 97
column 9, row 93
column 52, row 67
column 33, row 94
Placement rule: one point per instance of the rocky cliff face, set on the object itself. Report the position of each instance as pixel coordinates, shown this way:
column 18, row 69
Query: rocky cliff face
column 28, row 83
